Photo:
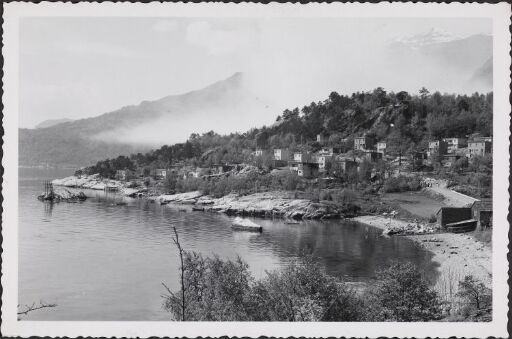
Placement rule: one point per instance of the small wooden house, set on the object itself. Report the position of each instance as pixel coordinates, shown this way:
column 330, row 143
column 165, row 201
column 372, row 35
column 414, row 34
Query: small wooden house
column 363, row 143
column 160, row 173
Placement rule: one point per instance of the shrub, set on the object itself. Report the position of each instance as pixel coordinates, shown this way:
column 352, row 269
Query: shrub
column 401, row 184
column 303, row 292
column 401, row 294
column 215, row 290
column 476, row 295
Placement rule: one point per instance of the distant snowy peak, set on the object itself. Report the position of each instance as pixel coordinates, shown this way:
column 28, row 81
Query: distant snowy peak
column 434, row 36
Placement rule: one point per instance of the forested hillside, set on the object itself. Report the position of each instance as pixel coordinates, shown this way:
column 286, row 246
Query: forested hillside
column 408, row 120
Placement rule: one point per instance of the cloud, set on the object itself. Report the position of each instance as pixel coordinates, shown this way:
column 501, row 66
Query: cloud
column 95, row 48
column 163, row 26
column 217, row 41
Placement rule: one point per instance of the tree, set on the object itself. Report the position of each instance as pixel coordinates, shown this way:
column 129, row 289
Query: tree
column 170, row 181
column 475, row 293
column 424, row 93
column 402, row 97
column 401, row 294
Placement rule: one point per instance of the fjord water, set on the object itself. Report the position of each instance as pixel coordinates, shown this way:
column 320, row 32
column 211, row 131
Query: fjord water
column 99, row 261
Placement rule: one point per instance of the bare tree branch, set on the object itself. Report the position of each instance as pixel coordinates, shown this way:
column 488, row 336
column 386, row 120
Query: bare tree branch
column 178, row 245
column 34, row 307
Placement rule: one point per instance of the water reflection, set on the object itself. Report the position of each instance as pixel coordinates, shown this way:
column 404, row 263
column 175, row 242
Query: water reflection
column 100, row 261
column 48, row 208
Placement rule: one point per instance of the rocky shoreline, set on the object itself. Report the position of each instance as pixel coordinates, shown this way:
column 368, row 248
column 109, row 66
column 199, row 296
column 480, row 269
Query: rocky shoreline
column 277, row 204
column 457, row 254
column 94, row 182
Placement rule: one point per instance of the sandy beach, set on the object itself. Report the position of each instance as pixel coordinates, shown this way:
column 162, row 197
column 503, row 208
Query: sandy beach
column 457, row 254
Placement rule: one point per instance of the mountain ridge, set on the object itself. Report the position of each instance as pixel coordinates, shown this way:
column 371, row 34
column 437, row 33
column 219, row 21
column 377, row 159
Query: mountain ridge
column 83, row 141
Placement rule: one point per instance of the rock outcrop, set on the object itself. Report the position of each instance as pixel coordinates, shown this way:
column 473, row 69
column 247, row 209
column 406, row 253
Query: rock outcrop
column 94, row 182
column 265, row 205
column 62, row 194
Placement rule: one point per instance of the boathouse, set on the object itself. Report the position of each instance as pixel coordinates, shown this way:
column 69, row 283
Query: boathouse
column 456, row 219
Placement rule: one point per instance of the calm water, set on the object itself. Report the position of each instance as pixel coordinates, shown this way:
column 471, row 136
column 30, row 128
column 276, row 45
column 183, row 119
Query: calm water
column 102, row 262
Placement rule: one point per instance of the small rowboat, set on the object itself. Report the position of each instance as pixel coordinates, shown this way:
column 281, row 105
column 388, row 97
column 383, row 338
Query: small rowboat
column 240, row 224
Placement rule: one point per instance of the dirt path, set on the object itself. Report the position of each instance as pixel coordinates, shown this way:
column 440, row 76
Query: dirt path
column 451, row 198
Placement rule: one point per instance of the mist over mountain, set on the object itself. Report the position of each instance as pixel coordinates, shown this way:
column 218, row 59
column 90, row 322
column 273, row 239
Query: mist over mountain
column 443, row 61
column 483, row 75
column 138, row 128
column 51, row 122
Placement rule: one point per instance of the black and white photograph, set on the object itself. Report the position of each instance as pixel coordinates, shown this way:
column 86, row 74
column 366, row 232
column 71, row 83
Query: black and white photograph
column 329, row 165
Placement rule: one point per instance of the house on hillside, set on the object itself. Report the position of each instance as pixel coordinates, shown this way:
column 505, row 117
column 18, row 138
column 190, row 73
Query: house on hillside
column 363, row 143
column 437, row 147
column 124, row 175
column 454, row 144
column 381, row 147
column 282, row 154
column 329, row 151
column 479, row 147
column 345, row 165
column 322, row 138
column 304, row 169
column 302, row 157
column 482, row 213
column 160, row 173
column 259, row 152
column 322, row 160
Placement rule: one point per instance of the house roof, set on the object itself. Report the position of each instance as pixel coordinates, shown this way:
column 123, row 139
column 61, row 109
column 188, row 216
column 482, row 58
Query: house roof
column 484, row 204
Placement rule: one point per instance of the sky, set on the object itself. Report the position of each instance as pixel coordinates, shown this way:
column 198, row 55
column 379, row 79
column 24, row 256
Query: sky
column 82, row 67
